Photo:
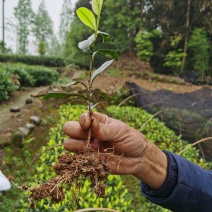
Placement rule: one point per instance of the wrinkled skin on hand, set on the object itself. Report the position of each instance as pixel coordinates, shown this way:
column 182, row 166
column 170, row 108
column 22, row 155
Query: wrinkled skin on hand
column 134, row 154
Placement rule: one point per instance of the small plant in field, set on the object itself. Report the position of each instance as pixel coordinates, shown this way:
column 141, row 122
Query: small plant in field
column 72, row 168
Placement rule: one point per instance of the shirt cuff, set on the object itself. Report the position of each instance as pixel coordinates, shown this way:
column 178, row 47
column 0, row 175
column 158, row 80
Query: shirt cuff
column 170, row 182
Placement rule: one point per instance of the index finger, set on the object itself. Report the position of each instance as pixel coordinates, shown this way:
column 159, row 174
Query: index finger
column 74, row 130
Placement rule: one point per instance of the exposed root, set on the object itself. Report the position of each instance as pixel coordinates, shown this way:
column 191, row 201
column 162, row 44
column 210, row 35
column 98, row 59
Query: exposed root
column 69, row 169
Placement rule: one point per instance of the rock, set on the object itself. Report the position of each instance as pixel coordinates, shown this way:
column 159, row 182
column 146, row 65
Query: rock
column 35, row 119
column 30, row 126
column 24, row 130
column 15, row 109
column 28, row 101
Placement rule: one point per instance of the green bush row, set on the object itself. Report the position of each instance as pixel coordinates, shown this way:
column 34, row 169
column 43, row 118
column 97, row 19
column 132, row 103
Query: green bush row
column 118, row 194
column 31, row 75
column 48, row 61
column 158, row 133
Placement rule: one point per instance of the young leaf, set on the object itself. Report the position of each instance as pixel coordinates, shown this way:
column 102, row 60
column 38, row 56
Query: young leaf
column 73, row 83
column 92, row 106
column 105, row 36
column 86, row 44
column 97, row 6
column 62, row 95
column 87, row 17
column 100, row 69
column 106, row 52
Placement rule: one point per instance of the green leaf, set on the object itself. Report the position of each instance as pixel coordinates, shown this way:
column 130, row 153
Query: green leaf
column 85, row 45
column 74, row 83
column 102, row 94
column 100, row 69
column 105, row 36
column 62, row 95
column 97, row 6
column 87, row 17
column 92, row 106
column 71, row 83
column 106, row 52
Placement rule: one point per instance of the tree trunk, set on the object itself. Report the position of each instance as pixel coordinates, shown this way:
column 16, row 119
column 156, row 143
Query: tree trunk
column 186, row 35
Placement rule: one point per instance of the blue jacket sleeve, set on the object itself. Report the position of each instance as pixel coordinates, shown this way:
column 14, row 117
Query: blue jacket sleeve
column 188, row 187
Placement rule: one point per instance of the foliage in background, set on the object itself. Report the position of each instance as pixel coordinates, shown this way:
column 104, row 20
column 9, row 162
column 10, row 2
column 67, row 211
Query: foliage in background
column 66, row 18
column 47, row 61
column 173, row 59
column 31, row 75
column 198, row 48
column 4, row 49
column 25, row 16
column 6, row 84
column 43, row 27
column 144, row 44
column 41, row 48
column 122, row 21
column 77, row 33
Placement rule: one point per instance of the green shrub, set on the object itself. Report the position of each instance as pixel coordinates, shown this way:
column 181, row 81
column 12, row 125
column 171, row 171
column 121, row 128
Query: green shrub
column 198, row 51
column 118, row 194
column 144, row 44
column 42, row 48
column 25, row 78
column 163, row 137
column 42, row 75
column 32, row 75
column 173, row 59
column 48, row 61
column 116, row 197
column 6, row 84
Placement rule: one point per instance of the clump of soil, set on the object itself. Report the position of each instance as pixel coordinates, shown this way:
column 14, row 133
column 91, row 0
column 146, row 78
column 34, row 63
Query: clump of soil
column 69, row 169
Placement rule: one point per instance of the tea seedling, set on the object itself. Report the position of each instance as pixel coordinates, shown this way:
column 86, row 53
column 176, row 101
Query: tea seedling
column 71, row 168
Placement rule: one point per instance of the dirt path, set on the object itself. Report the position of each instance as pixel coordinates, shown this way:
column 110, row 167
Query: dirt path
column 11, row 121
column 17, row 100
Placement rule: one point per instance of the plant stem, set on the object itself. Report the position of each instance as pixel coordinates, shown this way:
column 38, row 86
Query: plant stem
column 195, row 143
column 89, row 101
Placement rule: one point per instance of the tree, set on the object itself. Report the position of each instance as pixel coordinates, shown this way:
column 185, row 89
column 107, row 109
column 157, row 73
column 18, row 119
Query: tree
column 66, row 18
column 43, row 28
column 76, row 34
column 144, row 44
column 55, row 48
column 122, row 22
column 24, row 14
column 186, row 34
column 199, row 51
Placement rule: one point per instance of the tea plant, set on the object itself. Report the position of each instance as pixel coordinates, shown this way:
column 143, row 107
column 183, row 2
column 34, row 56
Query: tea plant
column 71, row 168
column 90, row 19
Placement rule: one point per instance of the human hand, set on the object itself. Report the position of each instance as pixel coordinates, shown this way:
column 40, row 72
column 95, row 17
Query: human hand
column 132, row 152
